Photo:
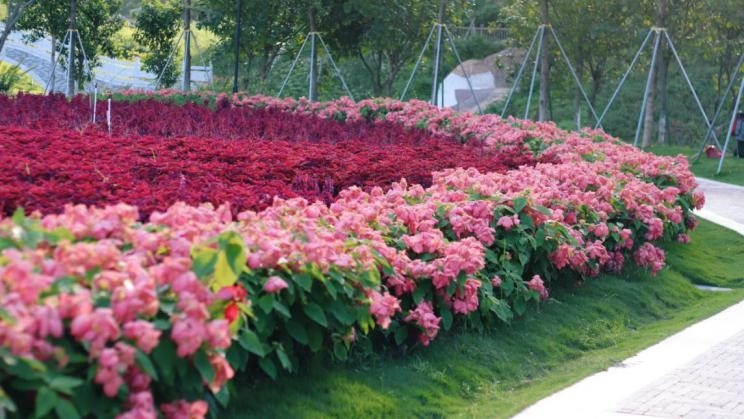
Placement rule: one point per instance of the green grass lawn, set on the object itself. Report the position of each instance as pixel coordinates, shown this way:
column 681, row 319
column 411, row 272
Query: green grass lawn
column 733, row 167
column 579, row 331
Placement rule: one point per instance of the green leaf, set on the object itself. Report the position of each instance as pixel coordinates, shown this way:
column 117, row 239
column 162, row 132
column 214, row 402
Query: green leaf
column 203, row 261
column 282, row 309
column 316, row 313
column 64, row 384
column 204, row 366
column 164, row 356
column 315, row 338
column 342, row 313
column 401, row 334
column 446, row 318
column 339, row 349
column 520, row 306
column 223, row 396
column 297, row 331
column 267, row 365
column 66, row 410
column 418, row 294
column 6, row 403
column 266, row 303
column 304, row 281
column 143, row 361
column 283, row 358
column 502, row 310
column 249, row 340
column 519, row 203
column 19, row 216
column 224, row 275
column 46, row 399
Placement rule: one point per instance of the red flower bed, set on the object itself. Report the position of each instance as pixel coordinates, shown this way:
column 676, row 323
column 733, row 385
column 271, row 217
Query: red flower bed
column 44, row 169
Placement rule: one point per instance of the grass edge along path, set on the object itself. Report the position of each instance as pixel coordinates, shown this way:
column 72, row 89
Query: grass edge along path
column 581, row 331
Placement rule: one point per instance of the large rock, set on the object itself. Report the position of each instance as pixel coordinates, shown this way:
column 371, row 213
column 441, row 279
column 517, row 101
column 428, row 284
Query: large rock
column 490, row 78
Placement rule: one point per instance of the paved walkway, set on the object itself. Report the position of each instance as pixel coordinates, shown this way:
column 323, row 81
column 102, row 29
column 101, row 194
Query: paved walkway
column 697, row 373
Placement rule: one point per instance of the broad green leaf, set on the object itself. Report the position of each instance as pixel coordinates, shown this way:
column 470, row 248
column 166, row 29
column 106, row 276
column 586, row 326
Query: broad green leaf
column 519, row 203
column 64, row 384
column 204, row 366
column 224, row 275
column 143, row 361
column 283, row 358
column 267, row 365
column 316, row 313
column 249, row 340
column 297, row 331
column 446, row 318
column 340, row 350
column 66, row 410
column 46, row 399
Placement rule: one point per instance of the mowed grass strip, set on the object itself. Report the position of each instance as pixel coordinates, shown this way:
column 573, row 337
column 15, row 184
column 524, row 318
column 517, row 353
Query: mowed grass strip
column 579, row 331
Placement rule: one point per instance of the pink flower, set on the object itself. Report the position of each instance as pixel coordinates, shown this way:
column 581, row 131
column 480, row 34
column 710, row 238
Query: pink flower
column 188, row 333
column 508, row 222
column 383, row 307
column 425, row 318
column 496, row 281
column 222, row 372
column 274, row 285
column 143, row 333
column 218, row 334
column 536, row 284
column 108, row 373
column 683, row 238
column 183, row 409
column 649, row 256
column 466, row 300
column 232, row 293
column 97, row 328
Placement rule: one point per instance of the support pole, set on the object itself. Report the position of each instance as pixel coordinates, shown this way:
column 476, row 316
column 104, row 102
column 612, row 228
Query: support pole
column 187, row 46
column 519, row 73
column 335, row 67
column 719, row 108
column 204, row 64
column 169, row 60
column 437, row 59
column 689, row 84
column 71, row 49
column 657, row 40
column 438, row 54
column 312, row 94
column 622, row 80
column 238, row 11
column 731, row 126
column 418, row 62
column 573, row 73
column 292, row 67
column 534, row 72
column 462, row 67
column 54, row 67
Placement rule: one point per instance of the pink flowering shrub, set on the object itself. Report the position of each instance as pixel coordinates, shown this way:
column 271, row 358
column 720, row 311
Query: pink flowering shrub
column 108, row 316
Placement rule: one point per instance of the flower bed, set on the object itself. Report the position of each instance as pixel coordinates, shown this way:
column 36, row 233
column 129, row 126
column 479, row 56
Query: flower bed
column 106, row 315
column 44, row 169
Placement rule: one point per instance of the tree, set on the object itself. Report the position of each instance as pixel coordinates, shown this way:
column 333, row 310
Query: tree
column 15, row 10
column 389, row 36
column 268, row 26
column 96, row 23
column 158, row 24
